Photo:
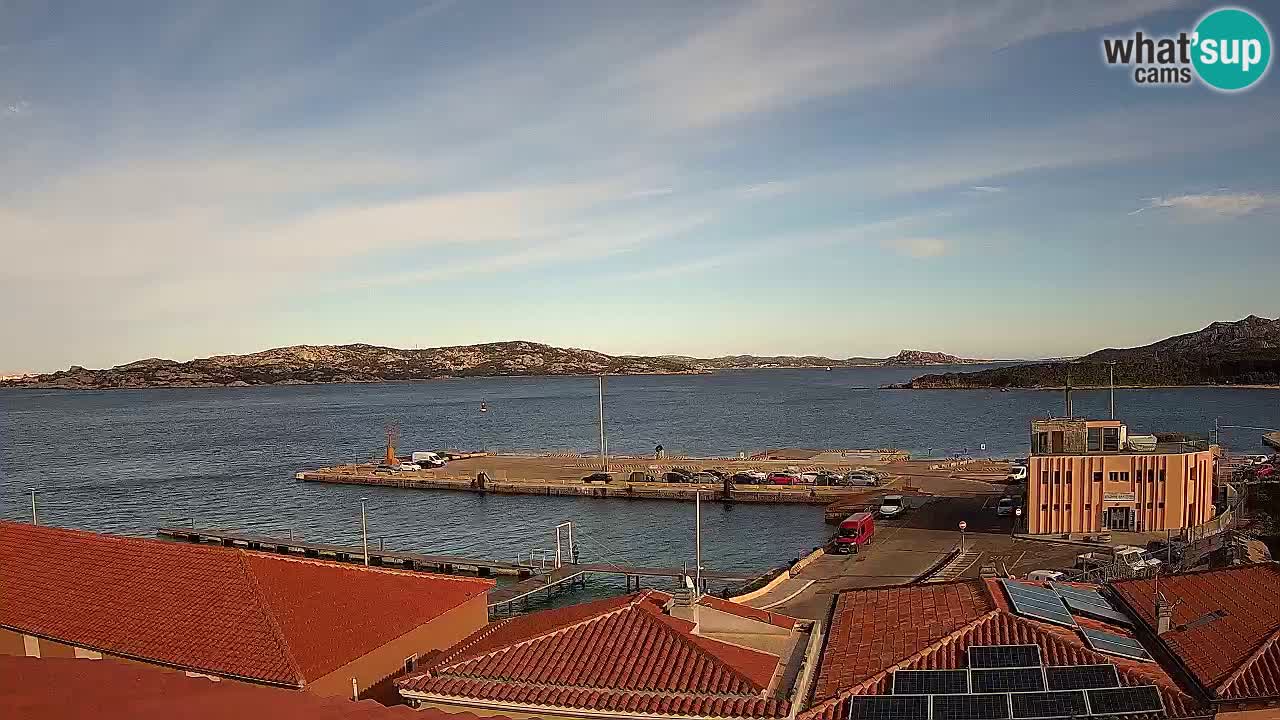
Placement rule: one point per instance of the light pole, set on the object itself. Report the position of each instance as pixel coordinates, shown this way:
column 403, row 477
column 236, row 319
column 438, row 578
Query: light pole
column 604, row 447
column 364, row 529
column 697, row 543
column 33, row 507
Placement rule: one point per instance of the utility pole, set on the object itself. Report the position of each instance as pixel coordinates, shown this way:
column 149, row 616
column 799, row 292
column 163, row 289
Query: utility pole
column 33, row 507
column 604, row 447
column 697, row 543
column 1068, row 390
column 1112, row 367
column 364, row 529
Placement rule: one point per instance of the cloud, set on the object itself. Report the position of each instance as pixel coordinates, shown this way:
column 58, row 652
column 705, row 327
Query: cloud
column 987, row 189
column 922, row 248
column 1212, row 206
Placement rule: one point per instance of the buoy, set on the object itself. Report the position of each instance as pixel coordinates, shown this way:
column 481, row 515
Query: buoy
column 483, row 408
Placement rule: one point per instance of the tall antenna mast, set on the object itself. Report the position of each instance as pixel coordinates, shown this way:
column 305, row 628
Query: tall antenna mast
column 697, row 543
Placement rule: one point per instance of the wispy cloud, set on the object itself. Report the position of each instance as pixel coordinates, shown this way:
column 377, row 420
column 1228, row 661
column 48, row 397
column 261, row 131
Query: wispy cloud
column 921, row 248
column 1212, row 206
column 987, row 189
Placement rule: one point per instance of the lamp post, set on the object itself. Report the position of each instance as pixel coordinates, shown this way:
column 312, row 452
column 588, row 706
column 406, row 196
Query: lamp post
column 364, row 529
column 33, row 507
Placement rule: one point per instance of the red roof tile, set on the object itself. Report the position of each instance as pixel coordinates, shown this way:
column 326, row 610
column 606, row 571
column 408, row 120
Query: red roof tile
column 747, row 611
column 217, row 610
column 1233, row 656
column 622, row 654
column 860, row 660
column 68, row 689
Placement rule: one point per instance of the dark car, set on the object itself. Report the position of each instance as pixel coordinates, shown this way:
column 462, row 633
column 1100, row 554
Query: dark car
column 747, row 477
column 677, row 476
column 600, row 477
column 826, row 477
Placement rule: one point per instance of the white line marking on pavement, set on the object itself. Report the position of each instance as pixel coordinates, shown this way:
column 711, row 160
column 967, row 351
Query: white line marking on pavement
column 797, row 592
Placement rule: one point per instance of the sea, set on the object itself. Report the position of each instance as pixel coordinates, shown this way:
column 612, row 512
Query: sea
column 129, row 461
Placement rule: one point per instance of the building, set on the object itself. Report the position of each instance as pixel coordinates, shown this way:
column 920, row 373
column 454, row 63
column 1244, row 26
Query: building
column 1093, row 476
column 224, row 613
column 647, row 654
column 67, row 689
column 1009, row 648
column 1220, row 631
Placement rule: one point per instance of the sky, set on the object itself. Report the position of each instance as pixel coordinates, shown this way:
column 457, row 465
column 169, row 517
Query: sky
column 852, row 178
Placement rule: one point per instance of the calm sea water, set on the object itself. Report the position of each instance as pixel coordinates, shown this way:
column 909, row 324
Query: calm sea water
column 129, row 461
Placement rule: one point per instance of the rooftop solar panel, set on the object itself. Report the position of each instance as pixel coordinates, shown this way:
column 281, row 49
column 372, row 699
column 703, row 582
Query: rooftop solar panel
column 1105, row 642
column 1122, row 700
column 930, row 682
column 1044, row 705
column 1081, row 677
column 889, row 707
column 1099, row 612
column 1038, row 603
column 1007, row 680
column 1065, row 590
column 971, row 707
column 993, row 656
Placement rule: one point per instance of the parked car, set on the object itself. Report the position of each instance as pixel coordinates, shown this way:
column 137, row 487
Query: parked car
column 1257, row 459
column 748, row 477
column 855, row 531
column 861, row 477
column 781, row 478
column 640, row 476
column 1017, row 473
column 677, row 475
column 808, row 478
column 716, row 471
column 1046, row 576
column 599, row 477
column 1265, row 471
column 828, row 478
column 1005, row 506
column 408, row 467
column 892, row 506
column 704, row 477
column 1135, row 559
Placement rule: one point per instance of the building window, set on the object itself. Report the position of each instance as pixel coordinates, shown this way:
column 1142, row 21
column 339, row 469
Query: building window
column 1044, row 508
column 1057, row 477
column 411, row 663
column 1068, row 477
column 1148, row 506
column 1161, row 505
column 1044, row 477
column 1110, row 439
column 1115, row 476
column 1151, row 476
column 1055, row 507
column 1040, row 443
column 1162, row 475
column 1097, row 477
column 1124, row 477
column 1068, row 508
column 1193, row 473
column 1095, row 439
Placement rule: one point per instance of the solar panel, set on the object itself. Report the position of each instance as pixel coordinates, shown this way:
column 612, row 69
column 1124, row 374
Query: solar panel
column 889, row 707
column 1100, row 612
column 1066, row 590
column 1007, row 680
column 1105, row 642
column 1081, row 677
column 1038, row 603
column 971, row 707
column 994, row 656
column 930, row 682
column 1118, row 701
column 1044, row 705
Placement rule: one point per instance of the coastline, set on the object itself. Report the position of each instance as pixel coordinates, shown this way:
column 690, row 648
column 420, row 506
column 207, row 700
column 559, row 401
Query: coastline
column 1060, row 388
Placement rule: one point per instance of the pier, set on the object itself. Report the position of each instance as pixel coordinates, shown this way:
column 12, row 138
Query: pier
column 534, row 579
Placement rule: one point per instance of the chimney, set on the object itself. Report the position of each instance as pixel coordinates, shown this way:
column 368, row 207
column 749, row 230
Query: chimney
column 1164, row 615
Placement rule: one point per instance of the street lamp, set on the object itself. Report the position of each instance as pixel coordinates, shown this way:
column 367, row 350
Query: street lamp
column 364, row 529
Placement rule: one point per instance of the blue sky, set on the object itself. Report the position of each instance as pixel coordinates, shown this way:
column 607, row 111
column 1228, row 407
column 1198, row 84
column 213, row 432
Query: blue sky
column 849, row 178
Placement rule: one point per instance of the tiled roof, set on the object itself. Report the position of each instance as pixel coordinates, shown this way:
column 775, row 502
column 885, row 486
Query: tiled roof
column 747, row 611
column 218, row 610
column 621, row 655
column 70, row 689
column 1234, row 655
column 875, row 632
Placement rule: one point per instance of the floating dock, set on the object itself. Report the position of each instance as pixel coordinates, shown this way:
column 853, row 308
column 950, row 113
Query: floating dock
column 1272, row 439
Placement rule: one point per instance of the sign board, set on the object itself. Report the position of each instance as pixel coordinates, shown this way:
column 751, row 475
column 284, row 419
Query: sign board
column 1119, row 497
column 1017, row 511
column 963, row 526
column 984, row 446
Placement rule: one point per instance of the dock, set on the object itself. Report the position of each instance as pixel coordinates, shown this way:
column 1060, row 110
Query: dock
column 444, row 564
column 533, row 579
column 1272, row 439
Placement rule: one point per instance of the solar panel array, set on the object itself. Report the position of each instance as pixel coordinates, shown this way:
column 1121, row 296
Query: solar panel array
column 1090, row 603
column 1038, row 603
column 995, row 688
column 1105, row 642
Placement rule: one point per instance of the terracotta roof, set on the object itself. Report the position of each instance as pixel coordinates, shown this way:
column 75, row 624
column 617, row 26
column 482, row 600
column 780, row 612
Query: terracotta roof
column 1234, row 656
column 621, row 655
column 218, row 610
column 69, row 689
column 747, row 611
column 930, row 627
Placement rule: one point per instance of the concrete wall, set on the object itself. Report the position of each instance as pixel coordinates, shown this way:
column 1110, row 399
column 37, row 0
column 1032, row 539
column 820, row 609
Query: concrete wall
column 372, row 668
column 1070, row 493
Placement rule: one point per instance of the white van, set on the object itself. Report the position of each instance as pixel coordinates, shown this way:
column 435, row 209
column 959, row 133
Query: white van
column 1046, row 576
column 891, row 506
column 427, row 460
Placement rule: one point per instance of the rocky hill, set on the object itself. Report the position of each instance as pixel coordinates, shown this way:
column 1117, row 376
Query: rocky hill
column 1245, row 352
column 905, row 357
column 305, row 364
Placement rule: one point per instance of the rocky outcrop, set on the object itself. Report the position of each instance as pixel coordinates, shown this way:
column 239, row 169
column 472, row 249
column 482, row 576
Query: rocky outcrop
column 1245, row 352
column 305, row 364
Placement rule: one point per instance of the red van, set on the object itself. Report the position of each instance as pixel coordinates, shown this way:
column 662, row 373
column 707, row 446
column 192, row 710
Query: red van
column 854, row 531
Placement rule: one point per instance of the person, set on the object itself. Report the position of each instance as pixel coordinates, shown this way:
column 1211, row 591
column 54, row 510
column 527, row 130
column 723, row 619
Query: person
column 657, row 451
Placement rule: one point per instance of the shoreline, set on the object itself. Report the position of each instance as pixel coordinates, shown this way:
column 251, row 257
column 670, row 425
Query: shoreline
column 1060, row 388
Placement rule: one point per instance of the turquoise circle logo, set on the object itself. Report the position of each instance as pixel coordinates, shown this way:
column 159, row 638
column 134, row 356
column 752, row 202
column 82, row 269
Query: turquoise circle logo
column 1232, row 49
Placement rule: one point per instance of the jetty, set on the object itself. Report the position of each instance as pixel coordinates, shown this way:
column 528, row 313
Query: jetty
column 533, row 578
column 1272, row 439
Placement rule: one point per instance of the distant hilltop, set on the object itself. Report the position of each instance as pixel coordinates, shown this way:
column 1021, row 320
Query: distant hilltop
column 311, row 364
column 1244, row 352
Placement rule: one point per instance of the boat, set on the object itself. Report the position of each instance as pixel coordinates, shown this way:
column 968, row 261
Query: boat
column 483, row 407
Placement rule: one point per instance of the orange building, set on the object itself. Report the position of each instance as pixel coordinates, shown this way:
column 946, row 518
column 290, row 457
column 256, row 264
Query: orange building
column 1092, row 475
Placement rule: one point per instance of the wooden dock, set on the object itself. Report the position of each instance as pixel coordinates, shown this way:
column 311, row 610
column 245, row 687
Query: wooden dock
column 506, row 597
column 445, row 564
